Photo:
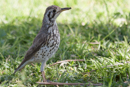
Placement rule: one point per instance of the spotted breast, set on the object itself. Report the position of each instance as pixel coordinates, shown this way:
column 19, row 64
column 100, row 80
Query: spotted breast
column 48, row 49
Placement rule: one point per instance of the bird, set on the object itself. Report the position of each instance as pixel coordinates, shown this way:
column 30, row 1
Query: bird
column 46, row 42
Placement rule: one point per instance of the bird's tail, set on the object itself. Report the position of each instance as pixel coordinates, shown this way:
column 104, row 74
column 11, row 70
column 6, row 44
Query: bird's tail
column 21, row 66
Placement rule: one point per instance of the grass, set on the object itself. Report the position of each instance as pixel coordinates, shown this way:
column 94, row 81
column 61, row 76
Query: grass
column 95, row 30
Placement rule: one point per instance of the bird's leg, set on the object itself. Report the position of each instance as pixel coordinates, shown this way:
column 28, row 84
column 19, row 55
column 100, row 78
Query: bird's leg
column 43, row 75
column 42, row 70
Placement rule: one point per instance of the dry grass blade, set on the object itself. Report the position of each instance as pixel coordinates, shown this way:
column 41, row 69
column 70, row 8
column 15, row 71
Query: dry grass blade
column 61, row 84
column 66, row 61
column 117, row 64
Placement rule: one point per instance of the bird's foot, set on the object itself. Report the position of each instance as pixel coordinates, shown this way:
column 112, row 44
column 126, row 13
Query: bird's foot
column 43, row 75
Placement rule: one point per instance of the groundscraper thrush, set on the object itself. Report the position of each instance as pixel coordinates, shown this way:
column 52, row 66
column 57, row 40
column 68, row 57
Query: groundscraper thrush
column 47, row 41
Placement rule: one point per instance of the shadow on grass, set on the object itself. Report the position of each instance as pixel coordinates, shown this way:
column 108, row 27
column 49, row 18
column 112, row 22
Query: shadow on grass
column 17, row 36
column 5, row 79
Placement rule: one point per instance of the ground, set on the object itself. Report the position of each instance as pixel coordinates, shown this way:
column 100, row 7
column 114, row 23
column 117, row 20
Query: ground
column 97, row 31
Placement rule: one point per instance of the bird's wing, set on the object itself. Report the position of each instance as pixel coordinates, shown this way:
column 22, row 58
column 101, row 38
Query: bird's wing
column 40, row 39
column 37, row 43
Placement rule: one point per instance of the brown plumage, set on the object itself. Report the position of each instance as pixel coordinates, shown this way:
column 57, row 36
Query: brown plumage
column 47, row 40
column 38, row 41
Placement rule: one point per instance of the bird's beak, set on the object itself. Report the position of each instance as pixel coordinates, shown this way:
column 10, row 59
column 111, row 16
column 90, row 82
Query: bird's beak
column 64, row 9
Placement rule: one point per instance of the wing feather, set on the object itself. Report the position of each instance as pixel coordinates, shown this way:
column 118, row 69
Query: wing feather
column 40, row 39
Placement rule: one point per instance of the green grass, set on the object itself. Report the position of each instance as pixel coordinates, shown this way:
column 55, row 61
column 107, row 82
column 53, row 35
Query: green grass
column 95, row 30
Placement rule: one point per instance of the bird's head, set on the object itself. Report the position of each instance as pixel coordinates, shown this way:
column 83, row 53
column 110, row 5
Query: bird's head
column 52, row 12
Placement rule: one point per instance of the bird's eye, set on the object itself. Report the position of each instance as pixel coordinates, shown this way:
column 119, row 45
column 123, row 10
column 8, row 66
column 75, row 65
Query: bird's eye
column 54, row 10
